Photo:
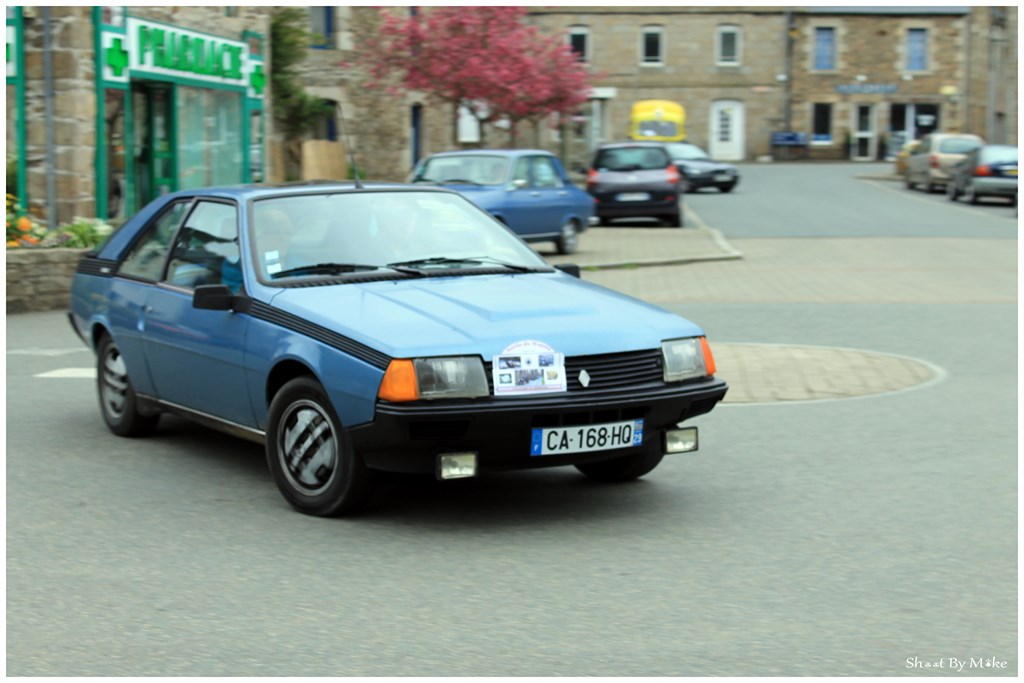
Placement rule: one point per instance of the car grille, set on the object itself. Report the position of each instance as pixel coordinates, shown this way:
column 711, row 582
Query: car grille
column 609, row 371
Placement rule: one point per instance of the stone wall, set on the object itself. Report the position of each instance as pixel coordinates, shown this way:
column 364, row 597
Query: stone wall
column 40, row 279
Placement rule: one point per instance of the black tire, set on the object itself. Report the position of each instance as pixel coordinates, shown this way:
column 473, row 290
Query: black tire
column 930, row 188
column 726, row 188
column 118, row 403
column 568, row 241
column 626, row 468
column 319, row 473
column 674, row 220
column 907, row 181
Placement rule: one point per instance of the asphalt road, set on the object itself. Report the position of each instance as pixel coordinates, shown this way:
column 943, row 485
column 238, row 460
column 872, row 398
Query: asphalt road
column 870, row 536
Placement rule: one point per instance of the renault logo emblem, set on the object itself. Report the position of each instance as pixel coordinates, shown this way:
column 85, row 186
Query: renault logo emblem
column 584, row 378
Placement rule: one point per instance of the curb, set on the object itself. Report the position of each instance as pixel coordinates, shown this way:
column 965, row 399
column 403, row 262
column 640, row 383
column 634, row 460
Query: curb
column 727, row 253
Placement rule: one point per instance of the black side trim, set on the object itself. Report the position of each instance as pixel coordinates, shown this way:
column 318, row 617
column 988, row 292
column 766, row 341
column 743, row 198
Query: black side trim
column 262, row 311
column 89, row 264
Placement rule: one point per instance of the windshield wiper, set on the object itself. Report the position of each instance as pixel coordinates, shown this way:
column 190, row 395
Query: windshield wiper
column 446, row 261
column 323, row 268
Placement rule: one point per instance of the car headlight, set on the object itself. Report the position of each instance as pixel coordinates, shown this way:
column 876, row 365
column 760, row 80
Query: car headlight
column 433, row 378
column 687, row 358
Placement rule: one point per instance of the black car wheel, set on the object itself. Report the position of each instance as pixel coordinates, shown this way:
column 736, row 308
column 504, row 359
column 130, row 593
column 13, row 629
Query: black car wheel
column 310, row 455
column 907, row 181
column 727, row 187
column 567, row 241
column 626, row 468
column 118, row 403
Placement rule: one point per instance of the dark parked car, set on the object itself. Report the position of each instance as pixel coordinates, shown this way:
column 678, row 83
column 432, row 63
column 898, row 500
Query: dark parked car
column 987, row 171
column 700, row 170
column 526, row 189
column 354, row 329
column 635, row 180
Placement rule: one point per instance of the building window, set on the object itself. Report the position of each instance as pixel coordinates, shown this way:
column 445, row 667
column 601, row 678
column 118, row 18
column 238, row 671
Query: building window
column 822, row 123
column 917, row 49
column 579, row 42
column 321, row 26
column 326, row 126
column 728, row 46
column 652, row 46
column 824, row 48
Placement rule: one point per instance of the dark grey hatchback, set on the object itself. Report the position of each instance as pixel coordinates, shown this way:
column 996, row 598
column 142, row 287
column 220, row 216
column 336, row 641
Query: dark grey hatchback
column 635, row 180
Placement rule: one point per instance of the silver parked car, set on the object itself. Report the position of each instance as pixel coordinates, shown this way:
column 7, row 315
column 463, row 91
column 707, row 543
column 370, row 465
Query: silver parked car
column 988, row 171
column 931, row 163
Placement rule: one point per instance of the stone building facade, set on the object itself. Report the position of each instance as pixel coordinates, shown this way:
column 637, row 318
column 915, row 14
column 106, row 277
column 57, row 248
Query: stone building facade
column 144, row 100
column 744, row 75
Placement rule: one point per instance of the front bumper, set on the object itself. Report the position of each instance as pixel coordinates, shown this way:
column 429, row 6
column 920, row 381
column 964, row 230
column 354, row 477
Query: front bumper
column 408, row 437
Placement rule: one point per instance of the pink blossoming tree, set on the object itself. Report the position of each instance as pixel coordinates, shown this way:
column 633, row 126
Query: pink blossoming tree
column 486, row 59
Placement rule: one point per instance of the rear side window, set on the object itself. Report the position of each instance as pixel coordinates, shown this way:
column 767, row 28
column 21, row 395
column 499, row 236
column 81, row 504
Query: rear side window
column 999, row 155
column 958, row 145
column 631, row 159
column 147, row 256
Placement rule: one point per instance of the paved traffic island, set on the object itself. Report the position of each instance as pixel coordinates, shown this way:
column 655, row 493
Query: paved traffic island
column 773, row 373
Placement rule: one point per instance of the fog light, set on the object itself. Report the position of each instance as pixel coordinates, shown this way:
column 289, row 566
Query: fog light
column 681, row 440
column 456, row 465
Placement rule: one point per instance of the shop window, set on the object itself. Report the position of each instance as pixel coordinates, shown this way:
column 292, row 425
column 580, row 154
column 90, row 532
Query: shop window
column 824, row 48
column 652, row 46
column 579, row 42
column 822, row 123
column 117, row 188
column 917, row 49
column 322, row 27
column 728, row 46
column 209, row 137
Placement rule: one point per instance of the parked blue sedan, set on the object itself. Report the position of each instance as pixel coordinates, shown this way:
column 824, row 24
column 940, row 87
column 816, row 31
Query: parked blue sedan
column 526, row 189
column 354, row 329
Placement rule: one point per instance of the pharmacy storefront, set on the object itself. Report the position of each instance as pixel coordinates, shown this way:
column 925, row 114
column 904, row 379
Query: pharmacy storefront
column 176, row 109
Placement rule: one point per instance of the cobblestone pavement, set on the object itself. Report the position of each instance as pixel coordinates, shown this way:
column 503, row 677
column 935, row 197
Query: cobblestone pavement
column 861, row 270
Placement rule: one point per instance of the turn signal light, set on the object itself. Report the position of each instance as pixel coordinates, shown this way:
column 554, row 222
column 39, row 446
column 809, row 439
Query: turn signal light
column 673, row 174
column 709, row 360
column 399, row 383
column 983, row 170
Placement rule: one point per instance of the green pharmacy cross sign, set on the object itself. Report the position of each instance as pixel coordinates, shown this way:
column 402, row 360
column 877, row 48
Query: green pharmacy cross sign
column 149, row 48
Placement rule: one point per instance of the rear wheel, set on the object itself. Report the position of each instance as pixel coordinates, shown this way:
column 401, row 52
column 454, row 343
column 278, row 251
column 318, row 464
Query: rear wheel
column 727, row 187
column 118, row 403
column 310, row 455
column 907, row 181
column 674, row 220
column 626, row 468
column 567, row 240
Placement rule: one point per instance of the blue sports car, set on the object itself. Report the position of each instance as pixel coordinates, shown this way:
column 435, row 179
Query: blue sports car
column 526, row 189
column 359, row 328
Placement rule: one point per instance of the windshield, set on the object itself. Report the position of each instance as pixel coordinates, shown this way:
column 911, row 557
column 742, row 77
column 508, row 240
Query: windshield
column 477, row 169
column 361, row 231
column 686, row 151
column 663, row 129
column 958, row 145
column 999, row 154
column 640, row 158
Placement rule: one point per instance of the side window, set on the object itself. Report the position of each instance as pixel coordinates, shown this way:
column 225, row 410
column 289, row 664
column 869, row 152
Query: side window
column 544, row 173
column 206, row 250
column 146, row 259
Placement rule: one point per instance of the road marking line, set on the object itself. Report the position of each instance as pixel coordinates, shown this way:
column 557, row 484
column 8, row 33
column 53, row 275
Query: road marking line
column 69, row 373
column 44, row 352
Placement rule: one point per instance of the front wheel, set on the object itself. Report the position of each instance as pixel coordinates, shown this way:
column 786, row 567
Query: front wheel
column 118, row 403
column 727, row 187
column 567, row 241
column 310, row 455
column 626, row 468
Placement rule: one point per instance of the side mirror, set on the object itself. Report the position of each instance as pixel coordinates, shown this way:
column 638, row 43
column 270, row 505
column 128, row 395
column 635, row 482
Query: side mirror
column 569, row 269
column 213, row 298
column 518, row 184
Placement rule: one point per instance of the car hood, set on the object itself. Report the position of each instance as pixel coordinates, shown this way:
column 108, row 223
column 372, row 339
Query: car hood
column 484, row 314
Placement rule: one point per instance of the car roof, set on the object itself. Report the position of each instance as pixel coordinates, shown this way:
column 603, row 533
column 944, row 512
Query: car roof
column 491, row 152
column 246, row 192
column 632, row 143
